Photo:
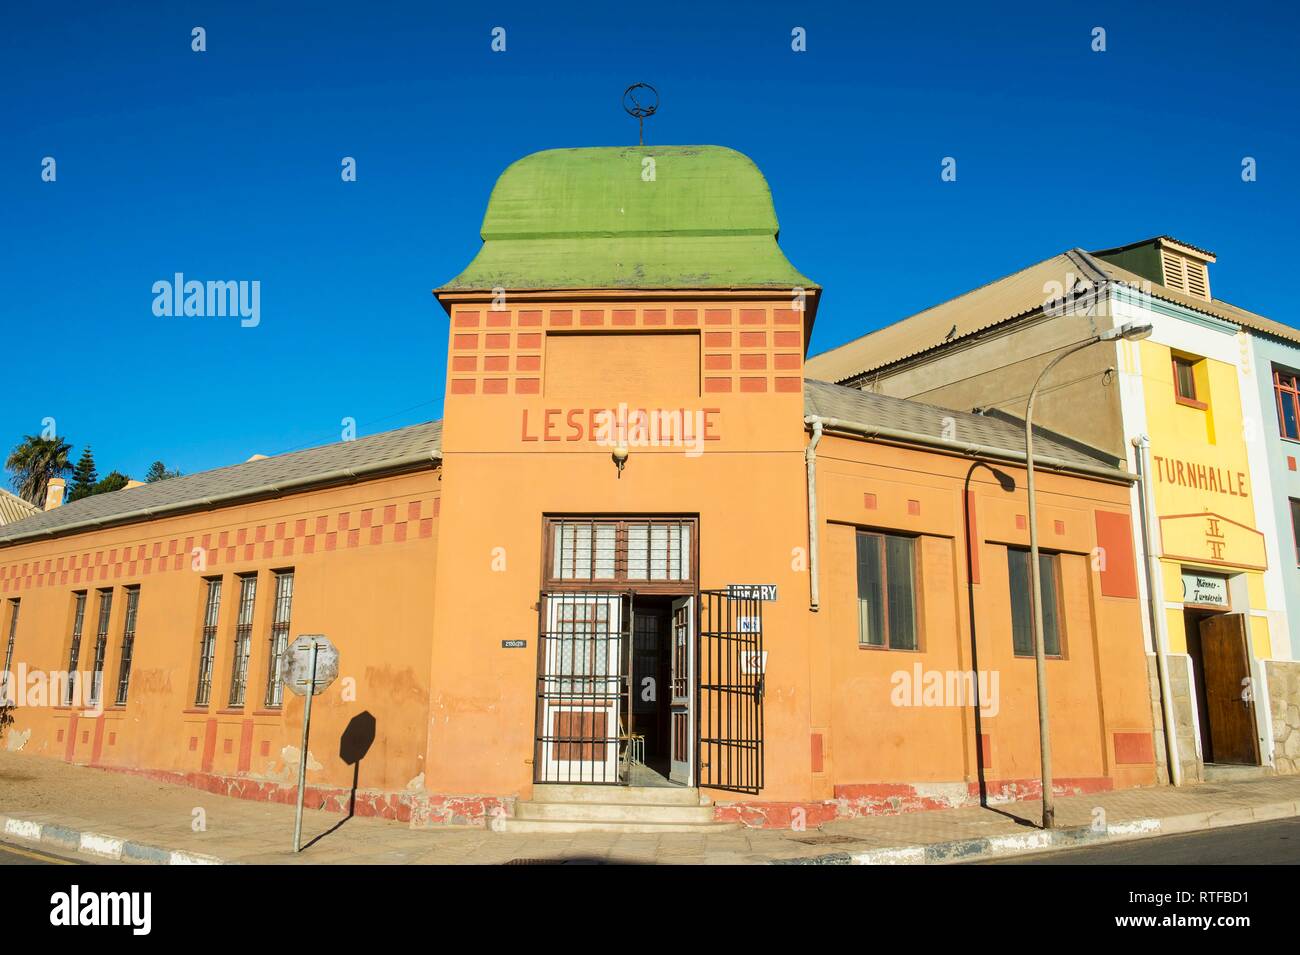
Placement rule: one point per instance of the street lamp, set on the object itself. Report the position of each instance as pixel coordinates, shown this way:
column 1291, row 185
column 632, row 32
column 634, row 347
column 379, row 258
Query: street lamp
column 1130, row 332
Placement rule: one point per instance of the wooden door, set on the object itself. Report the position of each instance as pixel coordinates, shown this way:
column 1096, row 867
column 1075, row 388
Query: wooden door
column 1229, row 696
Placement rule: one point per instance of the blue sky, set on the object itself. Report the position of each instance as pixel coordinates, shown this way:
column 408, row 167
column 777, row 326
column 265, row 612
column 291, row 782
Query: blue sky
column 225, row 165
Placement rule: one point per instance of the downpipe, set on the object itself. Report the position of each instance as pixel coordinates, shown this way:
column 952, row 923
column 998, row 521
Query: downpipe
column 810, row 460
column 1140, row 444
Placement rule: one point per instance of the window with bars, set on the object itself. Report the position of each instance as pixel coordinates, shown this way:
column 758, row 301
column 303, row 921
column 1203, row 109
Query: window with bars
column 243, row 639
column 649, row 551
column 1022, row 602
column 279, row 637
column 585, row 638
column 128, row 644
column 6, row 694
column 101, row 646
column 886, row 591
column 208, row 642
column 1286, row 386
column 74, row 651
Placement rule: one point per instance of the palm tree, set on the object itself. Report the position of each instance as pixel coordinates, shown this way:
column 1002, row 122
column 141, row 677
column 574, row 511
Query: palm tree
column 34, row 461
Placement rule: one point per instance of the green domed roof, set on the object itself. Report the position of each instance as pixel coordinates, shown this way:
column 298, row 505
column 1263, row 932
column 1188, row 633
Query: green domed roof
column 596, row 219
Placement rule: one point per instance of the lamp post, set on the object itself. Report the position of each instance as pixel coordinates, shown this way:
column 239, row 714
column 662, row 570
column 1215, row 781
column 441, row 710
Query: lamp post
column 1131, row 331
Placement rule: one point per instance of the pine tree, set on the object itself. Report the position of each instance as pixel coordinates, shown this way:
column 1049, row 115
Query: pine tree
column 84, row 476
column 158, row 472
column 113, row 481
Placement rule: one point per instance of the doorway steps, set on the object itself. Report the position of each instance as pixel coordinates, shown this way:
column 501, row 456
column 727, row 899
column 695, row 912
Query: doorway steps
column 646, row 809
column 1233, row 773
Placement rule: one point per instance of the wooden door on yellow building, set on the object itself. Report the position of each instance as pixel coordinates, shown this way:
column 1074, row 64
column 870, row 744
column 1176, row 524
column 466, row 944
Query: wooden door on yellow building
column 1228, row 692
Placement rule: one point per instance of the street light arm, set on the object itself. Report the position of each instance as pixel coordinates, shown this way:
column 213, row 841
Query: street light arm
column 1033, row 392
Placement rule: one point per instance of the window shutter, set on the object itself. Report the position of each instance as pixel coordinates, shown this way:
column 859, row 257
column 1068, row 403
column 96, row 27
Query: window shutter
column 1185, row 275
column 1198, row 280
column 1175, row 274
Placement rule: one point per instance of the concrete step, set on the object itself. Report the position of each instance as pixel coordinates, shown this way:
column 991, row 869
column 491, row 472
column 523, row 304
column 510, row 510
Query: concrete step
column 1232, row 773
column 614, row 812
column 622, row 795
column 558, row 826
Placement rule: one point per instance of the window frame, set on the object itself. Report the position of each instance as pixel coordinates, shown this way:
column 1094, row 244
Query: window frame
column 1282, row 396
column 242, row 645
column 128, row 644
column 888, row 642
column 105, row 619
column 80, row 599
column 278, row 639
column 6, row 675
column 1193, row 400
column 1054, row 557
column 1295, row 526
column 209, row 627
column 620, row 581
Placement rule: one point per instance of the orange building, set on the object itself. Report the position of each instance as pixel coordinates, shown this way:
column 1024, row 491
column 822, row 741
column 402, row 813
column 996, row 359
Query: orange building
column 666, row 561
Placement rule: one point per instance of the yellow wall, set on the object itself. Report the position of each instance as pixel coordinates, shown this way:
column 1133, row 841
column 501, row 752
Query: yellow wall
column 1203, row 495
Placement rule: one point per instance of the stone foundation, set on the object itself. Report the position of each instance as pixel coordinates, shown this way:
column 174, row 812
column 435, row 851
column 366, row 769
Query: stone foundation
column 1284, row 707
column 1180, row 680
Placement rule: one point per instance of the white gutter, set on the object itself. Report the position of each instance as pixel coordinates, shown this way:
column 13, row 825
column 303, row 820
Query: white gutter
column 295, row 485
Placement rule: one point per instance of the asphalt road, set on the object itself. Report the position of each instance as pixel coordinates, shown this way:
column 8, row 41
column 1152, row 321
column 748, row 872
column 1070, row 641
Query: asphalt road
column 1260, row 843
column 21, row 855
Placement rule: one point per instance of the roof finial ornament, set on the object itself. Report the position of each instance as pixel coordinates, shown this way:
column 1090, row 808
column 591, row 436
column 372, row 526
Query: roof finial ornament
column 640, row 100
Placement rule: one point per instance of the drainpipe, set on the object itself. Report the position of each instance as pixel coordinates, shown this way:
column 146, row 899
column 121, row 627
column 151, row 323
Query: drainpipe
column 1141, row 443
column 810, row 459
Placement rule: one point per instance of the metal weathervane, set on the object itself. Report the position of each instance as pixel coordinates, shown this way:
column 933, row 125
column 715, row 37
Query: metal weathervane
column 641, row 100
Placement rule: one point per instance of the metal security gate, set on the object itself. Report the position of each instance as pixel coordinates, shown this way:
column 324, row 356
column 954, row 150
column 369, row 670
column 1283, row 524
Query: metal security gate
column 731, row 665
column 583, row 650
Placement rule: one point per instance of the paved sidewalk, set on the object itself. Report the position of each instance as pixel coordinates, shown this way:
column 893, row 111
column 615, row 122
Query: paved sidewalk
column 119, row 816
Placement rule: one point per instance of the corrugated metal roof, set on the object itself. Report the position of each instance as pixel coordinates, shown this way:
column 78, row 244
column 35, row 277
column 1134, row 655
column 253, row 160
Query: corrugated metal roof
column 264, row 477
column 829, row 400
column 1157, row 238
column 14, row 508
column 1017, row 295
column 1215, row 307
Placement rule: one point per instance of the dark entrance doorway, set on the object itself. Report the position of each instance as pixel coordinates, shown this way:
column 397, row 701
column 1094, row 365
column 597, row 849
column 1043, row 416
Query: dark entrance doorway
column 1220, row 650
column 651, row 683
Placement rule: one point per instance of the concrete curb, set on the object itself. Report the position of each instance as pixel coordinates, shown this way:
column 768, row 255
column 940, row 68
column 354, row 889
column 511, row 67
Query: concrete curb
column 102, row 845
column 1036, row 840
column 99, row 844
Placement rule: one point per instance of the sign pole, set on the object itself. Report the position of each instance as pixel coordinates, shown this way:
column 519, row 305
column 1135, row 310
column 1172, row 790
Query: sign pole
column 302, row 757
